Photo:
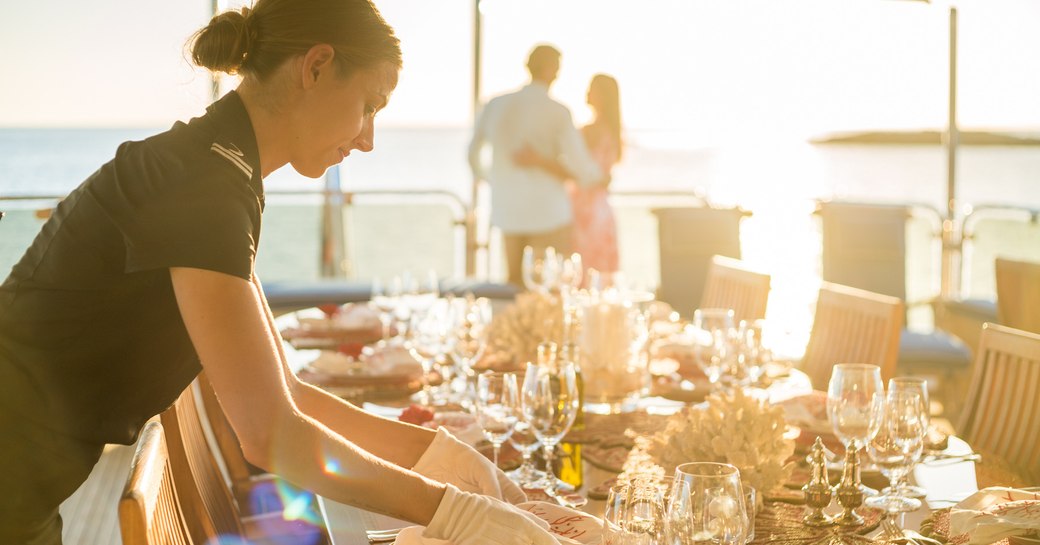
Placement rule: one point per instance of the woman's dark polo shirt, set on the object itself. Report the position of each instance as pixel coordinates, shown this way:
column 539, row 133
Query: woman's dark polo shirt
column 91, row 341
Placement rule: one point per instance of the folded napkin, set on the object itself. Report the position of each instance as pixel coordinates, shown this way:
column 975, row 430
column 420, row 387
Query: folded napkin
column 570, row 526
column 992, row 514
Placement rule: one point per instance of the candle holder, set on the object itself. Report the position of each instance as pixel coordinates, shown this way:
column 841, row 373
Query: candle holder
column 850, row 496
column 818, row 490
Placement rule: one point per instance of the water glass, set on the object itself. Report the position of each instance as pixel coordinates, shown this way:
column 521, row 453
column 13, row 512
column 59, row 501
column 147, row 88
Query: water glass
column 919, row 386
column 497, row 406
column 706, row 506
column 855, row 398
column 901, row 438
column 539, row 272
column 386, row 298
column 634, row 513
column 714, row 330
column 524, row 440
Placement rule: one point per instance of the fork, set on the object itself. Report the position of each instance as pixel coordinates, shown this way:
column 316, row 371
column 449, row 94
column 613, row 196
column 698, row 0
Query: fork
column 382, row 536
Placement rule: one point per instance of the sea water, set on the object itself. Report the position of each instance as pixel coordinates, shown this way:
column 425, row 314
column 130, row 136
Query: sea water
column 779, row 182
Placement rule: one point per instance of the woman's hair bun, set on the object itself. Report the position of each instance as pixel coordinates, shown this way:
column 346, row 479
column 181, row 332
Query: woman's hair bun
column 224, row 43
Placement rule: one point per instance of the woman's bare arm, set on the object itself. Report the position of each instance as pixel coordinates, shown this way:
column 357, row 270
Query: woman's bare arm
column 229, row 327
column 391, row 440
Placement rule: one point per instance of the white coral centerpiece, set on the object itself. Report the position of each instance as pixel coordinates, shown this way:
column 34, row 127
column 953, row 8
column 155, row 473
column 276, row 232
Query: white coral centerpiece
column 515, row 332
column 731, row 428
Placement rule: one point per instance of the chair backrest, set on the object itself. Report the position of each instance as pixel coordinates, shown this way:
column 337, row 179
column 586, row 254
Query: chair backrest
column 1002, row 412
column 731, row 284
column 227, row 442
column 852, row 326
column 149, row 512
column 864, row 245
column 688, row 237
column 205, row 495
column 1018, row 294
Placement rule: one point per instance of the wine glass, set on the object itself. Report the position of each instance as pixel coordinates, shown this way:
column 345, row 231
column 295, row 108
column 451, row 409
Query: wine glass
column 469, row 335
column 855, row 398
column 919, row 386
column 425, row 292
column 539, row 272
column 706, row 506
column 714, row 329
column 426, row 344
column 524, row 440
column 901, row 435
column 549, row 401
column 497, row 406
column 385, row 299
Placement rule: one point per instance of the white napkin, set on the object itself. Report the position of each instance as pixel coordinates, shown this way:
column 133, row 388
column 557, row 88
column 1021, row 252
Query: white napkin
column 991, row 514
column 571, row 527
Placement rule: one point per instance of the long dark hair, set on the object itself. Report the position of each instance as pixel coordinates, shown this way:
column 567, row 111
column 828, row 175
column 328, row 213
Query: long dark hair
column 255, row 42
column 610, row 109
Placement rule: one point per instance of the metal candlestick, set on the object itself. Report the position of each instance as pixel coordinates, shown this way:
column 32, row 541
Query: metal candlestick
column 818, row 489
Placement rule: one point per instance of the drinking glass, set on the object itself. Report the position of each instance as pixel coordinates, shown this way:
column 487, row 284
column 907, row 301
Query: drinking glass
column 855, row 398
column 498, row 407
column 714, row 329
column 706, row 506
column 894, row 446
column 539, row 272
column 424, row 292
column 920, row 386
column 524, row 440
column 427, row 344
column 386, row 298
column 634, row 513
column 549, row 400
column 752, row 354
column 472, row 318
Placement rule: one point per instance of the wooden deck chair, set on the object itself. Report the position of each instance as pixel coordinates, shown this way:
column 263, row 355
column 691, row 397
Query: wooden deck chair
column 1002, row 412
column 865, row 246
column 206, row 497
column 149, row 511
column 1018, row 294
column 852, row 326
column 731, row 284
column 255, row 491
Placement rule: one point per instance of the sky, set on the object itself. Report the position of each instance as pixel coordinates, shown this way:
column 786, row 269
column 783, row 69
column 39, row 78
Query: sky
column 711, row 69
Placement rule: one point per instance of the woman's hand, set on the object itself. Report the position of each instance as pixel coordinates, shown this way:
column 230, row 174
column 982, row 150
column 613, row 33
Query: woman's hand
column 471, row 519
column 451, row 461
column 528, row 157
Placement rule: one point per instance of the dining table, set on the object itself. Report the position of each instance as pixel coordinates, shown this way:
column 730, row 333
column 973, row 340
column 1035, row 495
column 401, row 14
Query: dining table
column 948, row 480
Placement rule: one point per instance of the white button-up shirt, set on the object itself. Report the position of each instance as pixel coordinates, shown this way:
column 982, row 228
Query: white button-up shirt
column 527, row 199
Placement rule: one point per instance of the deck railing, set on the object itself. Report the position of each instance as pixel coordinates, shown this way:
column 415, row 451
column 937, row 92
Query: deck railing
column 382, row 232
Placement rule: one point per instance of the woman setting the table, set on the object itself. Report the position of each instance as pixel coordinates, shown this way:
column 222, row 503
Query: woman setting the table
column 145, row 275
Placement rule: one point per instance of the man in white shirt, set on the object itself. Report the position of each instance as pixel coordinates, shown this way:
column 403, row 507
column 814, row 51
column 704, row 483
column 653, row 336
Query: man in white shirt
column 530, row 205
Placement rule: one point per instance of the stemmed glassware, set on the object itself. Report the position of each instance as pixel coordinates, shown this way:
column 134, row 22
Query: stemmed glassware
column 549, row 401
column 497, row 407
column 524, row 440
column 386, row 298
column 855, row 399
column 920, row 387
column 539, row 272
column 706, row 506
column 427, row 344
column 715, row 329
column 901, row 436
column 471, row 319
